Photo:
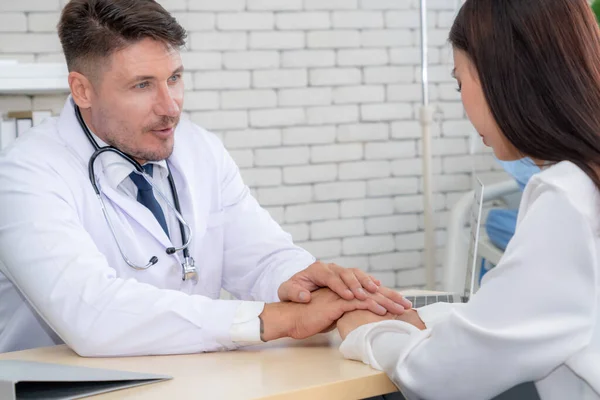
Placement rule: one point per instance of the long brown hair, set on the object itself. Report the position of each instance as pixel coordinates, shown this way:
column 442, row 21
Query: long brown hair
column 538, row 62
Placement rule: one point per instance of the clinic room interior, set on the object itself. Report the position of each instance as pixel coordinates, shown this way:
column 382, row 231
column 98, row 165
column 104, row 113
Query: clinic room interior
column 300, row 199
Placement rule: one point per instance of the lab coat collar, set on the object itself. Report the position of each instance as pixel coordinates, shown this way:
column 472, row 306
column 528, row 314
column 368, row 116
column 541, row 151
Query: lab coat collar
column 116, row 169
column 72, row 134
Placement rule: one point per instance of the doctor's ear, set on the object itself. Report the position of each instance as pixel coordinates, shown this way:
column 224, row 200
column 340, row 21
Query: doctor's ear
column 81, row 89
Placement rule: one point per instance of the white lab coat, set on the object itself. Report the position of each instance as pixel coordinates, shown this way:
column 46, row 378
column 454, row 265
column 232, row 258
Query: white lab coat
column 58, row 257
column 535, row 318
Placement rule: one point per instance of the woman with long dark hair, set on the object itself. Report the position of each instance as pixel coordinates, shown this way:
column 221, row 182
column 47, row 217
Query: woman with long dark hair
column 529, row 76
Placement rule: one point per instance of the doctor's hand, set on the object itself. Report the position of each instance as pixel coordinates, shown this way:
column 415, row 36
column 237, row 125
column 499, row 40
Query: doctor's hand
column 300, row 321
column 352, row 320
column 348, row 283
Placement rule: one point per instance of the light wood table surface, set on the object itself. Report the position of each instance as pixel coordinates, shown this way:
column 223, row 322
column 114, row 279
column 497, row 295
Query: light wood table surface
column 283, row 369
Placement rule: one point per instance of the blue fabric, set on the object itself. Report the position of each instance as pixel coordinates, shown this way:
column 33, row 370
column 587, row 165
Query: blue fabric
column 146, row 197
column 500, row 226
column 521, row 170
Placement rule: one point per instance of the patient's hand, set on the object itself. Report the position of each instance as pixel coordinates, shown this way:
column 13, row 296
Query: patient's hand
column 352, row 320
column 412, row 317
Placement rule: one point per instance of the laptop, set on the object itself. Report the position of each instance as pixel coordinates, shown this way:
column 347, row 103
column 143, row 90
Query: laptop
column 471, row 275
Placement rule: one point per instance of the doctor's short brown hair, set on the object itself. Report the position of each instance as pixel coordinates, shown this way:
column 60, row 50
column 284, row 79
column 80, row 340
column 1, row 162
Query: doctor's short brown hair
column 90, row 31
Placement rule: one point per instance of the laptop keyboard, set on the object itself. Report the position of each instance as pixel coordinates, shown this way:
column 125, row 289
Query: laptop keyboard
column 420, row 301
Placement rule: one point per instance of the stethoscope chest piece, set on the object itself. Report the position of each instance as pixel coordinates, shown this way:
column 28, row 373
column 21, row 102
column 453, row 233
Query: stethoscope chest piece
column 189, row 270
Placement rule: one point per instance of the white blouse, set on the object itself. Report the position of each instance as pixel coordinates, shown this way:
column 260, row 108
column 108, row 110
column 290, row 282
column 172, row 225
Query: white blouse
column 535, row 317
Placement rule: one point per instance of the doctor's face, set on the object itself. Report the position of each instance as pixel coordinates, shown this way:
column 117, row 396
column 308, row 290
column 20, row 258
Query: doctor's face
column 477, row 108
column 138, row 99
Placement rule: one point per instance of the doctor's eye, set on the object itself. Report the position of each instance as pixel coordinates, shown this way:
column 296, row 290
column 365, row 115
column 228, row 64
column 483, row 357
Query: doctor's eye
column 142, row 85
column 175, row 78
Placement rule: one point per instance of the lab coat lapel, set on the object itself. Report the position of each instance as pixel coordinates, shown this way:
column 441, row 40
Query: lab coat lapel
column 70, row 130
column 136, row 211
column 192, row 204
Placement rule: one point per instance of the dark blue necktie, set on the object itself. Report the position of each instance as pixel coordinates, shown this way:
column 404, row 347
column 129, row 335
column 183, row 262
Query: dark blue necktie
column 146, row 197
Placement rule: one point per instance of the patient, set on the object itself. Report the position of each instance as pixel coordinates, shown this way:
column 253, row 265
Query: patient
column 529, row 76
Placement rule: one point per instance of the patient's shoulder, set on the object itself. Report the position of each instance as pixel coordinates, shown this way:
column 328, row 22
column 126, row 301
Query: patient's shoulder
column 569, row 182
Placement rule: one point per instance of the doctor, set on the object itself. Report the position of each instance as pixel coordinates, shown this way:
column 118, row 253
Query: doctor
column 124, row 250
column 529, row 77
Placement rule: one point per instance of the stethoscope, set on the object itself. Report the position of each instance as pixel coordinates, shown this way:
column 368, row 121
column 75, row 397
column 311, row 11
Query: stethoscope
column 188, row 266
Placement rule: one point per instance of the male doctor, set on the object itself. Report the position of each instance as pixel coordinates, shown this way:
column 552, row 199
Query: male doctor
column 74, row 266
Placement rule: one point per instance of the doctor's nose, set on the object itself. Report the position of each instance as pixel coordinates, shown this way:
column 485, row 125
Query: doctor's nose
column 167, row 103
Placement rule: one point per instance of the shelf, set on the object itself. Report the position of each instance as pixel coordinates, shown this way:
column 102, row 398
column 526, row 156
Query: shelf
column 31, row 79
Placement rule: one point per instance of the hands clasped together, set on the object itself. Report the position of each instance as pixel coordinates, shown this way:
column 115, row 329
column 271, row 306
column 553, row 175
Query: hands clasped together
column 324, row 296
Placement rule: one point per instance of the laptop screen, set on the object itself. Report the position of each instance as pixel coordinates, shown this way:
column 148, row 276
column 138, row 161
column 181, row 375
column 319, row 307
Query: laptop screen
column 475, row 221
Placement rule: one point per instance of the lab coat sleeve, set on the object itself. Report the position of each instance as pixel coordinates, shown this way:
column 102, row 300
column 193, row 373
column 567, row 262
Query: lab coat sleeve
column 259, row 255
column 49, row 256
column 533, row 311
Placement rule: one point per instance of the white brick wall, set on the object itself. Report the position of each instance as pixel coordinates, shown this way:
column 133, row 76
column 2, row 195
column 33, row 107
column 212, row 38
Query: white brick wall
column 249, row 99
column 332, row 115
column 280, row 78
column 252, row 138
column 330, row 4
column 333, row 39
column 249, row 60
column 337, row 228
column 218, row 41
column 201, row 60
column 277, row 40
column 340, row 190
column 303, row 20
column 245, row 21
column 221, row 5
column 13, row 22
column 308, row 135
column 305, row 97
column 202, row 100
column 29, row 5
column 283, row 196
column 308, row 58
column 336, row 152
column 277, row 117
column 357, row 19
column 363, row 57
column 358, row 94
column 317, row 100
column 367, row 207
column 310, row 174
column 221, row 79
column 333, row 76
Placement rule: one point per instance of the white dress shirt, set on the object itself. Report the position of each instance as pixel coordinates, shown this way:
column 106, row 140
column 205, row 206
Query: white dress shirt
column 535, row 317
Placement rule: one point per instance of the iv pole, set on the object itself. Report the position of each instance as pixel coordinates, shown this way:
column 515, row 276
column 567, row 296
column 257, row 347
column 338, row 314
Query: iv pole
column 426, row 118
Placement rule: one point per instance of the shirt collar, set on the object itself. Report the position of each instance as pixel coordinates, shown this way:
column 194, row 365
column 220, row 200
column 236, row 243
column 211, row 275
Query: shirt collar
column 116, row 169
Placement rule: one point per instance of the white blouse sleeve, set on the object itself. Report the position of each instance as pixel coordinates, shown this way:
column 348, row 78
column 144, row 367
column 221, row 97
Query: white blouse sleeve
column 534, row 310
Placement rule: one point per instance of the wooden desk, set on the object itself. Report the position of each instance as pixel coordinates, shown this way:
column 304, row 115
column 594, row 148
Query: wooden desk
column 284, row 369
